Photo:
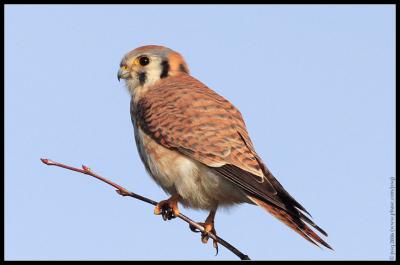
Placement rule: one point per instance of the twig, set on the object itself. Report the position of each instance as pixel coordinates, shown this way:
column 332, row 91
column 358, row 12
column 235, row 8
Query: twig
column 124, row 192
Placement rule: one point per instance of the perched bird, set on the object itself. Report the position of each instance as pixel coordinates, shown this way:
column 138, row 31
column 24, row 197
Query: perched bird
column 194, row 144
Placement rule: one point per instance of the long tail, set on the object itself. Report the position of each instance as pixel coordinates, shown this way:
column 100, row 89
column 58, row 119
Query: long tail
column 294, row 222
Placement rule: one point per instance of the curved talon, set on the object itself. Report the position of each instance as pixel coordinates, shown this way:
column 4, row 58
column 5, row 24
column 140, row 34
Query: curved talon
column 168, row 209
column 194, row 229
column 208, row 228
column 215, row 245
column 204, row 236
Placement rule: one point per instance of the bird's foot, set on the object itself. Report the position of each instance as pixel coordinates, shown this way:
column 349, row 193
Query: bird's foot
column 208, row 228
column 168, row 209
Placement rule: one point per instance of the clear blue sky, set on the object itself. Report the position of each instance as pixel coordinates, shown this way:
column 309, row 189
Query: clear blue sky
column 315, row 84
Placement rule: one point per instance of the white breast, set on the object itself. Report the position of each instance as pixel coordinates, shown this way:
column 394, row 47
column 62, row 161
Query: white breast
column 197, row 184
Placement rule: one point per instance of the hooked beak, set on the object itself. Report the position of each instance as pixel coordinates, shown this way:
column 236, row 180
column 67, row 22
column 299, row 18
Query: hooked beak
column 123, row 73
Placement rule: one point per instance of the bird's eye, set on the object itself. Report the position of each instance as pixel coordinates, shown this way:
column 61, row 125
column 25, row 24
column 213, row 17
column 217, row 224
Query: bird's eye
column 144, row 60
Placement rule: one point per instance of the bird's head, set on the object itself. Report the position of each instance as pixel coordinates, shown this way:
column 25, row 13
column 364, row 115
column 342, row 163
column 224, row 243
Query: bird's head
column 147, row 65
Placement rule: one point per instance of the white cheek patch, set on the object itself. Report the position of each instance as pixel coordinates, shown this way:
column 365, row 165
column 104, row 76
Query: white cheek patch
column 152, row 77
column 153, row 72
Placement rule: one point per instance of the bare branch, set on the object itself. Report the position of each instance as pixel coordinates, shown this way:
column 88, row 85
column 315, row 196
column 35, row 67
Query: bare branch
column 124, row 192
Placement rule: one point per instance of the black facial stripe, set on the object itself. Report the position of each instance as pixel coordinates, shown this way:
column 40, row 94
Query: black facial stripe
column 182, row 68
column 142, row 78
column 165, row 69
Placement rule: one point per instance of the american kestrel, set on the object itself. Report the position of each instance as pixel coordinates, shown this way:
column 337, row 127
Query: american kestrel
column 194, row 144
